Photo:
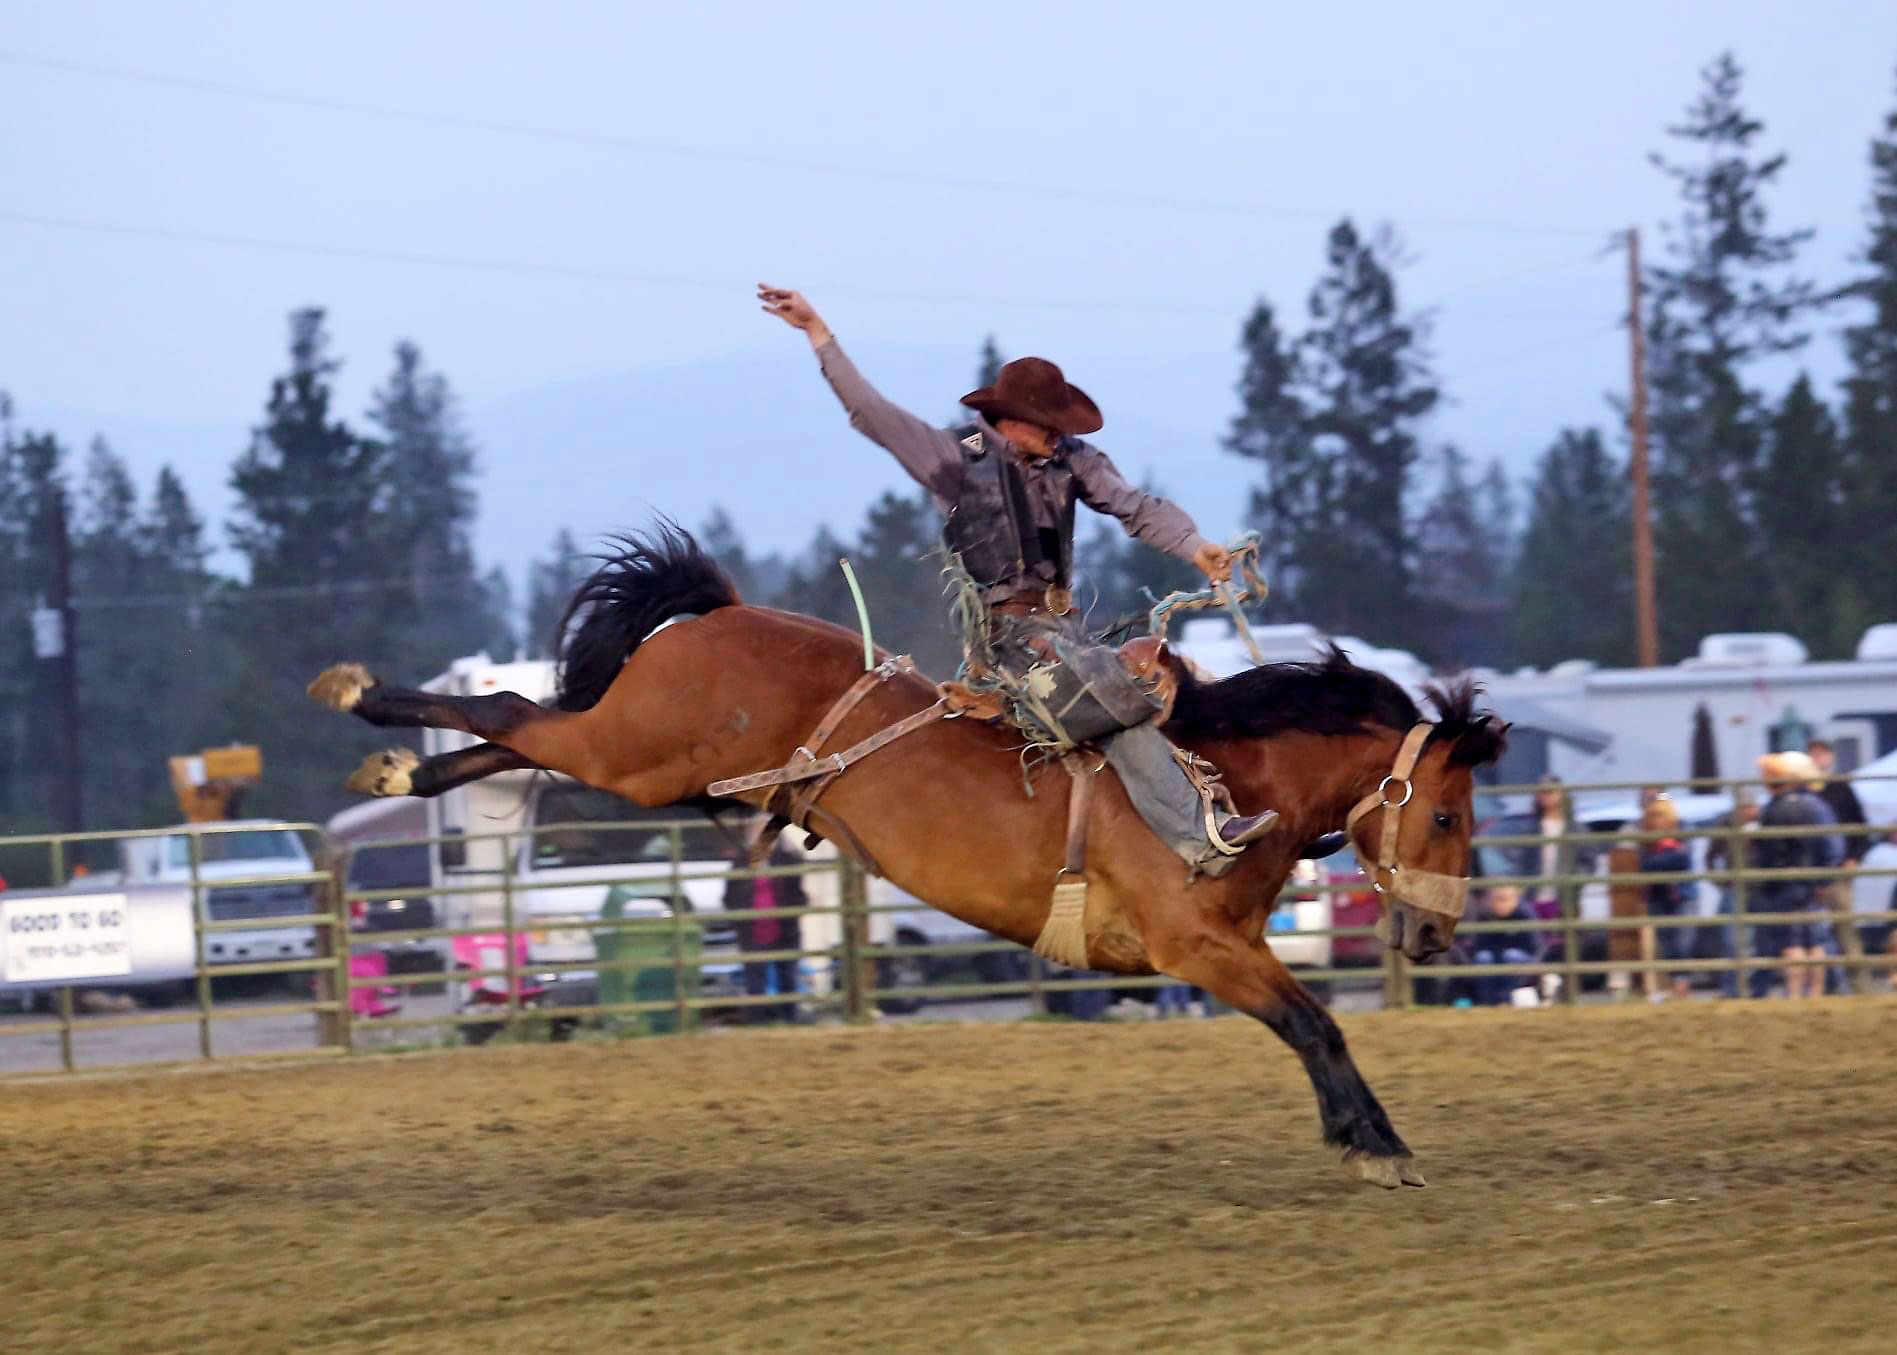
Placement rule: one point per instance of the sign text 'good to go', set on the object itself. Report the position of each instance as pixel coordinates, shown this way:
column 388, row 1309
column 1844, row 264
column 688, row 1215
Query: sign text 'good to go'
column 84, row 936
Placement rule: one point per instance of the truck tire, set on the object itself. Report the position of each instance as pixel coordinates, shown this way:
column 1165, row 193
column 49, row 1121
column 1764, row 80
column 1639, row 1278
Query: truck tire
column 904, row 971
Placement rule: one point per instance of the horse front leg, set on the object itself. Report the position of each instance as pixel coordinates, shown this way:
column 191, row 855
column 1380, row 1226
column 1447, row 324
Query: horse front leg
column 1215, row 956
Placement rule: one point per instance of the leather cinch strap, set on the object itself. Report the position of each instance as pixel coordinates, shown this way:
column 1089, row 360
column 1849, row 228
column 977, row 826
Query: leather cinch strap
column 1426, row 889
column 809, row 763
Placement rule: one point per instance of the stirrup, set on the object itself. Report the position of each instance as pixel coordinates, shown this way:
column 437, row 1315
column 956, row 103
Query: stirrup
column 1235, row 835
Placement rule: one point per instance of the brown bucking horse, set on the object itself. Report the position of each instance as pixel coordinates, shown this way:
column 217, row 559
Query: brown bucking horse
column 669, row 683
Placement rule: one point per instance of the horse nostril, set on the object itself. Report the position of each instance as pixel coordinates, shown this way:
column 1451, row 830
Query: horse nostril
column 1429, row 936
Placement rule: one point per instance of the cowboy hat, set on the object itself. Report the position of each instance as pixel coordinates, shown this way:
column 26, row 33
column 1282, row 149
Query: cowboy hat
column 1034, row 391
column 1790, row 768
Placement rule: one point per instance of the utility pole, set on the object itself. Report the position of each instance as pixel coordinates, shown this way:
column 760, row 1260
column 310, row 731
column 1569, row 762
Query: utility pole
column 1645, row 623
column 63, row 654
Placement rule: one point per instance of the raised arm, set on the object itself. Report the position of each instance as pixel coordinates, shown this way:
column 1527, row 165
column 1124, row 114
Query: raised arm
column 928, row 453
column 1160, row 523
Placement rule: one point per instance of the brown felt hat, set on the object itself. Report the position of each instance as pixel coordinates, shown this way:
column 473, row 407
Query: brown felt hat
column 1034, row 391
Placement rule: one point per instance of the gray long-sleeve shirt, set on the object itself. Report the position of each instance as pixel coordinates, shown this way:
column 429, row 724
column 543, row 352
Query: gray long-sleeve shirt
column 933, row 457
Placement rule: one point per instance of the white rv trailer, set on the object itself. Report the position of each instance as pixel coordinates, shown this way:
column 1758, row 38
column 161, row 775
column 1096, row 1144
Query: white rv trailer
column 1585, row 723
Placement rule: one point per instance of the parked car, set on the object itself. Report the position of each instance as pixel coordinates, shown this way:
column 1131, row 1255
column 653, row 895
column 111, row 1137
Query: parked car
column 377, row 868
column 228, row 863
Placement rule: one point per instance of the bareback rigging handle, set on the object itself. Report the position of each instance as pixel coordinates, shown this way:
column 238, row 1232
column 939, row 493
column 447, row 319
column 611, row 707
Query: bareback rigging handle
column 1244, row 553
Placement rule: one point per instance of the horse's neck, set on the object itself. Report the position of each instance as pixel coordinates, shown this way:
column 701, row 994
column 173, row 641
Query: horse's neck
column 1312, row 780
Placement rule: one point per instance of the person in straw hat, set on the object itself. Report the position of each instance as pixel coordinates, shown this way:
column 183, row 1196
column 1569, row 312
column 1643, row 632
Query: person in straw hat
column 1790, row 778
column 1007, row 483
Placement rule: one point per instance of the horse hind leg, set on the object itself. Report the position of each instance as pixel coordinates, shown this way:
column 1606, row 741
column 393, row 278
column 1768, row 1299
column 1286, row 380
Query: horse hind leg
column 552, row 739
column 354, row 690
column 400, row 771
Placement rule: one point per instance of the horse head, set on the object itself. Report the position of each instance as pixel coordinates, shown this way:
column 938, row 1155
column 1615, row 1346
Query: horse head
column 1402, row 787
column 1413, row 831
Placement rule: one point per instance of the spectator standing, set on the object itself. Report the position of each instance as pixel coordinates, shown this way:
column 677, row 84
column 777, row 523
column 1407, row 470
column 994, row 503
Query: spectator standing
column 1801, row 943
column 1877, row 894
column 1719, row 857
column 1842, row 800
column 1667, row 898
column 765, row 933
column 1554, row 818
column 1518, row 945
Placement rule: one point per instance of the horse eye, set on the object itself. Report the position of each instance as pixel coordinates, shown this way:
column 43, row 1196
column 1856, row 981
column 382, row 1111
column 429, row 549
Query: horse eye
column 1445, row 821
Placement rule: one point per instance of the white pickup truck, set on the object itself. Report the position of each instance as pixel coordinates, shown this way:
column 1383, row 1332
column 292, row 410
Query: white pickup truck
column 227, row 863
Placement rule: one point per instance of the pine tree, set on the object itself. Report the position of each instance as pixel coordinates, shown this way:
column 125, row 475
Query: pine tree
column 121, row 680
column 814, row 584
column 1497, row 497
column 1335, row 419
column 33, row 482
column 311, row 505
column 897, row 560
column 16, row 601
column 1802, row 499
column 1868, row 541
column 1117, row 579
column 990, row 364
column 1721, row 301
column 1573, row 583
column 720, row 537
column 551, row 584
column 427, row 468
column 188, row 644
column 1461, row 567
column 1296, row 503
column 311, row 518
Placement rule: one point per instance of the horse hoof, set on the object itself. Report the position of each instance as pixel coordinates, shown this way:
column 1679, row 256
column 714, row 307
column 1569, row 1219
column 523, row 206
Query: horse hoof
column 1387, row 1172
column 341, row 687
column 390, row 772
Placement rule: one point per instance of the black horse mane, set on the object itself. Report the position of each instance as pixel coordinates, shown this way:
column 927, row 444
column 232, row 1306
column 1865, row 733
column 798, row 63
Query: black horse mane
column 1334, row 696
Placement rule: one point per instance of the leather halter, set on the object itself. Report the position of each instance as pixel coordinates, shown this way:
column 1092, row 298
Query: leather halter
column 1425, row 889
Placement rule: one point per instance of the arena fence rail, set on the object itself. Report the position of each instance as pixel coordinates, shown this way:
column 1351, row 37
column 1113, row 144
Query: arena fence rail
column 635, row 954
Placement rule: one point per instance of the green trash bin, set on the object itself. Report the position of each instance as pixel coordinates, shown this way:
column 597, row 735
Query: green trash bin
column 657, row 954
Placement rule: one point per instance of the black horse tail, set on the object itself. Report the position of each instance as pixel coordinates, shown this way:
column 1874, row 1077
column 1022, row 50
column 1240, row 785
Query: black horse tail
column 647, row 579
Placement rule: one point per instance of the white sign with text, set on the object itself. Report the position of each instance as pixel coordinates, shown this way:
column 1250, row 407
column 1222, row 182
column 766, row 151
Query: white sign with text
column 82, row 936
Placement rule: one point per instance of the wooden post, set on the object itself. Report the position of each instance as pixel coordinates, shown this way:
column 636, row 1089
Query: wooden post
column 1624, row 944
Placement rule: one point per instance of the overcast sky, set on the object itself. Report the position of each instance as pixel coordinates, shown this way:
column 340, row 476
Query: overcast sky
column 1191, row 156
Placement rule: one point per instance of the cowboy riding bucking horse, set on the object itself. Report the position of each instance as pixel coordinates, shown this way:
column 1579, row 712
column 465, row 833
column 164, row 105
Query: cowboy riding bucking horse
column 671, row 689
column 1006, row 484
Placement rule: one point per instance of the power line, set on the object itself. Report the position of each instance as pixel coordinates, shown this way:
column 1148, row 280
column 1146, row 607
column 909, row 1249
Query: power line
column 1107, row 197
column 223, row 592
column 534, row 268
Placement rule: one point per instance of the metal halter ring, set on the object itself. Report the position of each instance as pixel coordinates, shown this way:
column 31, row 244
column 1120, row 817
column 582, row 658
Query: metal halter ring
column 1383, row 791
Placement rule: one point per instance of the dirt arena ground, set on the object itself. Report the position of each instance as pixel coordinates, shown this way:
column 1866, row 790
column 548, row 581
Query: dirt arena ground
column 1707, row 1177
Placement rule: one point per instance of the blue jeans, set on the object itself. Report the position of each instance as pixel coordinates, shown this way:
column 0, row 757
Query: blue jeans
column 1758, row 981
column 1174, row 997
column 1494, row 991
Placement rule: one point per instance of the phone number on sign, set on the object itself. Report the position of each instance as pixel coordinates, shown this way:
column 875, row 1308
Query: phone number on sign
column 47, row 940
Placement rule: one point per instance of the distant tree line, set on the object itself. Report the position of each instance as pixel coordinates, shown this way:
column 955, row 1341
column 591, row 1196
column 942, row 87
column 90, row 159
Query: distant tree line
column 355, row 541
column 1773, row 509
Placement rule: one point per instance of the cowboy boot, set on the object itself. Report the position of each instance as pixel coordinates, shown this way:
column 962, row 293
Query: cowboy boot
column 1243, row 830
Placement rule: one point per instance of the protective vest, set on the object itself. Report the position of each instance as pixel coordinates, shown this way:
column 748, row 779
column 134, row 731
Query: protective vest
column 991, row 523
